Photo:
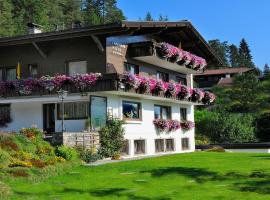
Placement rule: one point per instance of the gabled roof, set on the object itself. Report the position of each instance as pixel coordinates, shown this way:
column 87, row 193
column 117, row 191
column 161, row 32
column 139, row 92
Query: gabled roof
column 231, row 70
column 179, row 31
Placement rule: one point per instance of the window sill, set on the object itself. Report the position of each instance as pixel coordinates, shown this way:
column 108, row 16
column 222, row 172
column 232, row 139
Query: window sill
column 130, row 121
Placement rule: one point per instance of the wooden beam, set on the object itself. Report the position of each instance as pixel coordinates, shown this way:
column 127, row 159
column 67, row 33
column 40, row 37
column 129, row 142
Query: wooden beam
column 98, row 43
column 44, row 55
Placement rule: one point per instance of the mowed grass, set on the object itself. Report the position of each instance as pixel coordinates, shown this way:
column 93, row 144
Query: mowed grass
column 184, row 176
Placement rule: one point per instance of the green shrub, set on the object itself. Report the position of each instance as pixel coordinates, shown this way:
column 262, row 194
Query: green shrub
column 66, row 152
column 88, row 155
column 263, row 127
column 5, row 191
column 4, row 159
column 227, row 127
column 112, row 138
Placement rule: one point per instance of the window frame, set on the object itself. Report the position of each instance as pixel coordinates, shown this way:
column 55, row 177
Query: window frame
column 29, row 71
column 136, row 67
column 4, row 72
column 161, row 111
column 160, row 75
column 139, row 107
column 126, row 147
column 188, row 144
column 163, row 145
column 183, row 117
column 144, row 140
column 59, row 114
column 2, row 105
column 67, row 70
column 180, row 78
column 173, row 142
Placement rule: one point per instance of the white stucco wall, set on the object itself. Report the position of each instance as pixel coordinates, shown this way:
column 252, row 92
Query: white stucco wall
column 27, row 113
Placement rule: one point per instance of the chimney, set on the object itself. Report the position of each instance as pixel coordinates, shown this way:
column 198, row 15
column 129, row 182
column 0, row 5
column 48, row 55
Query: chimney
column 34, row 28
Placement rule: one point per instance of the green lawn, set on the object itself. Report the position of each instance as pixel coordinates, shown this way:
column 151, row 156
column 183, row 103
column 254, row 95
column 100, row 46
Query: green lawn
column 200, row 176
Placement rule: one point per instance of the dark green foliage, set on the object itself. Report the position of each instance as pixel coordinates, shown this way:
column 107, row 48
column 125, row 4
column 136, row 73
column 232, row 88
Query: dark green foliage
column 263, row 127
column 266, row 72
column 225, row 127
column 221, row 50
column 216, row 149
column 55, row 14
column 66, row 152
column 245, row 57
column 234, row 56
column 112, row 138
column 148, row 17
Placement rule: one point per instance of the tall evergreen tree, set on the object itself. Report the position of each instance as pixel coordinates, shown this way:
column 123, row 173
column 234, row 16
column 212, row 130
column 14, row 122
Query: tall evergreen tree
column 221, row 49
column 266, row 71
column 233, row 56
column 245, row 54
column 148, row 17
column 6, row 24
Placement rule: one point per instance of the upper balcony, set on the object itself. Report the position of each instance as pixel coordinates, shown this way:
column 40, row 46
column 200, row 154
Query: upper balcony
column 123, row 85
column 166, row 56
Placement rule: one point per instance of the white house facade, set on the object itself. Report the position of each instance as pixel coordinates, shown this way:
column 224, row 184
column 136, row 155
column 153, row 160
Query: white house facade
column 118, row 53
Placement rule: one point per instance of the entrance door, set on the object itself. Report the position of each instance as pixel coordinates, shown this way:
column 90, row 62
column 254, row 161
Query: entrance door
column 98, row 112
column 48, row 118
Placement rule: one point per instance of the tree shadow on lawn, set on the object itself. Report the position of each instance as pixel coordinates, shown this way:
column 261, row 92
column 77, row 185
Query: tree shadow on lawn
column 105, row 192
column 256, row 181
column 266, row 157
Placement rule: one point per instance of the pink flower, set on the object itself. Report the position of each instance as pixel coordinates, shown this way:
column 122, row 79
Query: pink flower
column 187, row 125
column 152, row 83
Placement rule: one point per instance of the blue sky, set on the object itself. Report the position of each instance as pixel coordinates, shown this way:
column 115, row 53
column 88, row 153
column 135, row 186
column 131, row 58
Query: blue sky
column 227, row 20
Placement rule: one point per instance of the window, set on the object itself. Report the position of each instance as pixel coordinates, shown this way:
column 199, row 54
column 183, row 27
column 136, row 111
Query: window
column 169, row 144
column 162, row 112
column 159, row 145
column 183, row 114
column 131, row 110
column 8, row 74
column 139, row 146
column 134, row 69
column 185, row 143
column 181, row 79
column 4, row 111
column 162, row 145
column 33, row 70
column 74, row 110
column 163, row 76
column 125, row 148
column 77, row 67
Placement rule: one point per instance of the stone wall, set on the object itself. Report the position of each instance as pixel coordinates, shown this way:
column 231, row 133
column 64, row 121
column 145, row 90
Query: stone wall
column 85, row 139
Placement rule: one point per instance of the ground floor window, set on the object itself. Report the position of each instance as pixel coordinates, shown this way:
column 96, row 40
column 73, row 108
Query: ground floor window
column 159, row 145
column 5, row 111
column 162, row 145
column 125, row 148
column 73, row 110
column 169, row 144
column 139, row 146
column 185, row 143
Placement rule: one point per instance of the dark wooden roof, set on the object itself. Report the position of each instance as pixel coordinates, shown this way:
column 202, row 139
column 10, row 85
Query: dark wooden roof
column 180, row 31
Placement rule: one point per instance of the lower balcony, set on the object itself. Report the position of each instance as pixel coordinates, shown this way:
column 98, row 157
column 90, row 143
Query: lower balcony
column 116, row 84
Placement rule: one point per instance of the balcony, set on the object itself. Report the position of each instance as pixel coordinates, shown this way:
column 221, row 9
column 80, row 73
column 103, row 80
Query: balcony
column 148, row 52
column 128, row 85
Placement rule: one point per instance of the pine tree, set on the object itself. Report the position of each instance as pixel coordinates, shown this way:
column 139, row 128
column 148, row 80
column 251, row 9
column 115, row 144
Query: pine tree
column 148, row 17
column 6, row 24
column 233, row 56
column 245, row 55
column 221, row 49
column 266, row 71
column 163, row 18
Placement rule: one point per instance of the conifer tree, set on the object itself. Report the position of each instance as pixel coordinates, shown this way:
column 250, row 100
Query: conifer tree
column 148, row 17
column 6, row 24
column 245, row 55
column 266, row 72
column 221, row 49
column 233, row 56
